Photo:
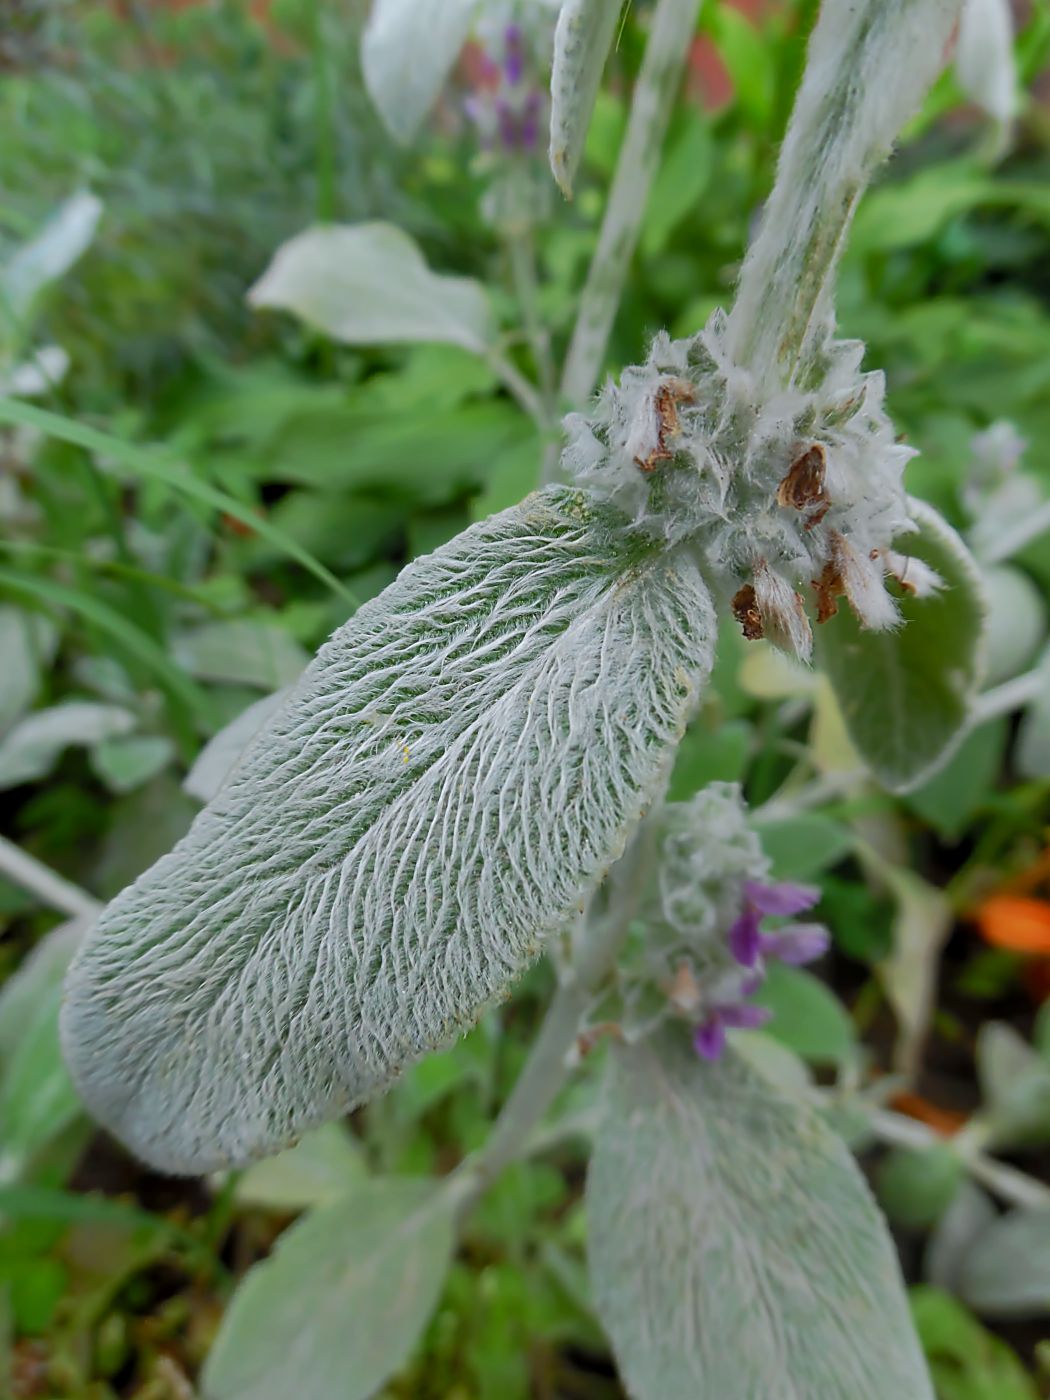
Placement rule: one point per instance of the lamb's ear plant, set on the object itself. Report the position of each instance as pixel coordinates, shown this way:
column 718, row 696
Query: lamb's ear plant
column 474, row 767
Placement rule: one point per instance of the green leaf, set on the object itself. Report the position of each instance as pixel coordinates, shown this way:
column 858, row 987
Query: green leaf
column 915, row 1188
column 1006, row 1270
column 32, row 748
column 39, row 974
column 807, row 1017
column 242, row 652
column 582, row 40
column 339, row 1305
column 709, row 755
column 803, row 845
column 969, row 1213
column 187, row 699
column 951, row 798
column 154, row 466
column 734, row 1247
column 968, row 1363
column 1033, row 737
column 322, row 1167
column 1015, row 1083
column 369, row 284
column 125, row 764
column 906, row 695
column 1016, row 621
column 37, row 1099
column 456, row 770
column 407, row 52
column 28, row 642
column 683, row 177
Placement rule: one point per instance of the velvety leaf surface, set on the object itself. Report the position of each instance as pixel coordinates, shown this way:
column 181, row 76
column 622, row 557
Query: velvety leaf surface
column 369, row 284
column 582, row 40
column 906, row 694
column 454, row 772
column 734, row 1247
column 342, row 1300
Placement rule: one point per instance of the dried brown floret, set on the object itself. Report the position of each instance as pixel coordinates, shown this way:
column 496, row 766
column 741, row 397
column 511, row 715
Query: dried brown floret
column 804, row 485
column 746, row 611
column 668, row 396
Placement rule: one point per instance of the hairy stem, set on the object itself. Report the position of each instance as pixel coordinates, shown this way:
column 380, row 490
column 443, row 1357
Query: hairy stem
column 32, row 875
column 1011, row 695
column 868, row 68
column 522, row 249
column 665, row 54
column 604, row 929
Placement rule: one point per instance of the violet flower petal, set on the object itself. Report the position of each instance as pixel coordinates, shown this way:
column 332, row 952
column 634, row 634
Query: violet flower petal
column 709, row 1038
column 745, row 940
column 746, row 1017
column 781, row 899
column 796, row 944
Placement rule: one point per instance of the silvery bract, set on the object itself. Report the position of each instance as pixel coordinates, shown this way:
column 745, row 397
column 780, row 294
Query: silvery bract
column 456, row 770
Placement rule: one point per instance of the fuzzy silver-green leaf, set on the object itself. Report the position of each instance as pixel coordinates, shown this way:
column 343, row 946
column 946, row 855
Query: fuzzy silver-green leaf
column 452, row 775
column 735, row 1250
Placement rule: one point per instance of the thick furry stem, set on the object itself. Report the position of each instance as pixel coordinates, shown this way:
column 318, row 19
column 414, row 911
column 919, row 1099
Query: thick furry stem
column 869, row 65
column 654, row 94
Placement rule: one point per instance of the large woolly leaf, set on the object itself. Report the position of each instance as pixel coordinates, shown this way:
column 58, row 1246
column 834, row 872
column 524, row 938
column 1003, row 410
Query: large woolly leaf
column 370, row 284
column 734, row 1248
column 407, row 51
column 582, row 40
column 456, row 769
column 906, row 695
column 339, row 1305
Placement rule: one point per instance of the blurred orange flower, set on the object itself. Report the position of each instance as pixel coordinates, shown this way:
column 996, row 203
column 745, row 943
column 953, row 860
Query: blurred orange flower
column 1015, row 922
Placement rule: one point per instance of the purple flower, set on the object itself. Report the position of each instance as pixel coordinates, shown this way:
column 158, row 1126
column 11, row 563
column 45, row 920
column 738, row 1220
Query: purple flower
column 514, row 54
column 796, row 943
column 709, row 1038
column 750, row 947
column 747, row 942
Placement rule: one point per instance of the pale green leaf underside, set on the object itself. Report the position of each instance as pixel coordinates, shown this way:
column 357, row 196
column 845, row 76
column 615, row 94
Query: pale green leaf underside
column 906, row 695
column 339, row 1305
column 407, row 51
column 582, row 40
column 1006, row 1271
column 369, row 284
column 458, row 766
column 735, row 1250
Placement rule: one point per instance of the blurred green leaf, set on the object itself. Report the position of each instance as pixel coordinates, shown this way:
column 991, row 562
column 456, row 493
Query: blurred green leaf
column 325, row 1165
column 949, row 800
column 340, row 1303
column 916, row 1187
column 967, row 1362
column 906, row 694
column 807, row 1017
column 803, row 845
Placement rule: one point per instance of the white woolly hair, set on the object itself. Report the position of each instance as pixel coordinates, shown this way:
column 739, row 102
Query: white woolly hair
column 798, row 490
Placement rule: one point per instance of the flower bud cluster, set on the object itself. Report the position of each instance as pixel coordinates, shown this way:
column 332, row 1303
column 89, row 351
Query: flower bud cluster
column 793, row 497
column 705, row 949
